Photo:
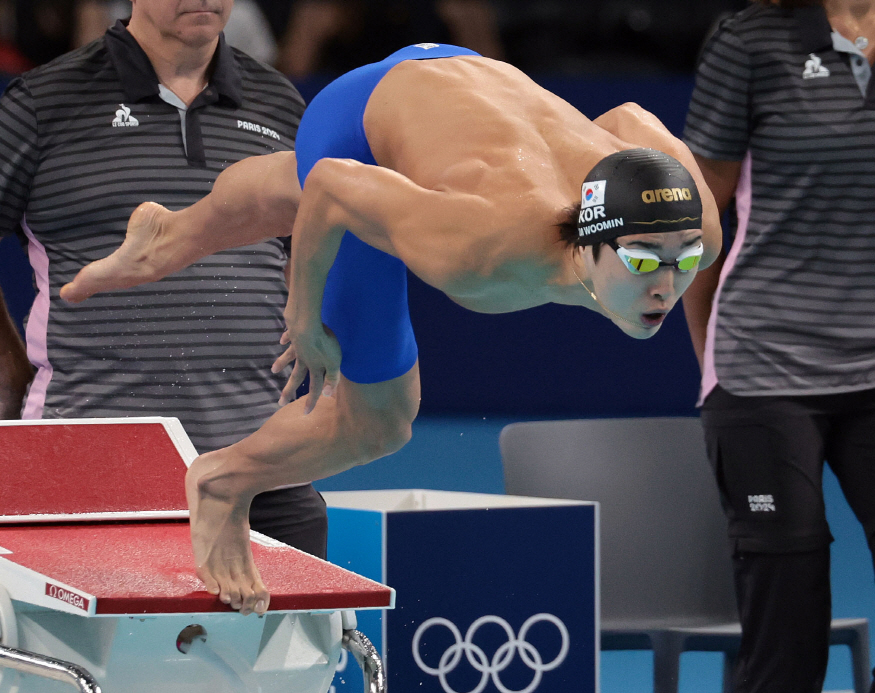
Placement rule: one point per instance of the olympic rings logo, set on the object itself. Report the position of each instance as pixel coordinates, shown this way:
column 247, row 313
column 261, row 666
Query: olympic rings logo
column 502, row 658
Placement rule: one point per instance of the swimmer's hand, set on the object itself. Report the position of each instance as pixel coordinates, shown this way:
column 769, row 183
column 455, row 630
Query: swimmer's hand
column 137, row 261
column 314, row 351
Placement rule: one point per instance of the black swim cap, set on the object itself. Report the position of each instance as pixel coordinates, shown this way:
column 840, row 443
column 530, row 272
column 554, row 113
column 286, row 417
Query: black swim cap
column 637, row 191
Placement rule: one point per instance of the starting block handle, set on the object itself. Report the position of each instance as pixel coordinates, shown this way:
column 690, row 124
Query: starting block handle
column 364, row 652
column 48, row 668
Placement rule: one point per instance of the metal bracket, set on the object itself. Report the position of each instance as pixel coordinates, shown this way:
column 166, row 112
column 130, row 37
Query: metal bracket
column 48, row 668
column 360, row 647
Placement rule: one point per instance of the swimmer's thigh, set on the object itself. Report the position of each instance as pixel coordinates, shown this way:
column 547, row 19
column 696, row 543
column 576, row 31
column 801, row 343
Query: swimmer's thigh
column 397, row 398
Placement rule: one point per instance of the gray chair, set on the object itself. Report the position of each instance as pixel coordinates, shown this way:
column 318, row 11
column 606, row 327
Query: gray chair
column 666, row 574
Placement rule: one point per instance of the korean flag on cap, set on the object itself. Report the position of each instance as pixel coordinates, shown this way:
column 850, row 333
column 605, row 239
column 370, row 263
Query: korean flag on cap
column 593, row 193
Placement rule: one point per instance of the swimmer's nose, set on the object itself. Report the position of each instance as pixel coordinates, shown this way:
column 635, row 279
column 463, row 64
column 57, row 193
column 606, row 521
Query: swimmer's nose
column 662, row 286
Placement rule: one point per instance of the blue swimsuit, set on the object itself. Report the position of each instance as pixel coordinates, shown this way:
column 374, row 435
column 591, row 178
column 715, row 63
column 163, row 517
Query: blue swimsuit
column 365, row 301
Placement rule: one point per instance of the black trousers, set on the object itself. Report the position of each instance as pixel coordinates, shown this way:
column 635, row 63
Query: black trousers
column 295, row 516
column 768, row 455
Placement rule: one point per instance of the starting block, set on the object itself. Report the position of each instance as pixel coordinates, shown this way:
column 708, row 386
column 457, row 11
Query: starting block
column 97, row 581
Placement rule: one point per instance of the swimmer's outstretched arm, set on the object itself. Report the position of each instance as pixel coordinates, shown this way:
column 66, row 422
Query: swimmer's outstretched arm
column 440, row 236
column 252, row 200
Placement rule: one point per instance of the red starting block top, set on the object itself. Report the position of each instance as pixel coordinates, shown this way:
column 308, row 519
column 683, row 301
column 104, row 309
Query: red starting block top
column 71, row 476
column 147, row 568
column 99, row 468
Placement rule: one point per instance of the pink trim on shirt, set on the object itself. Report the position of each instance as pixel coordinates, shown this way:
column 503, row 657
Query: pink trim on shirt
column 743, row 194
column 37, row 328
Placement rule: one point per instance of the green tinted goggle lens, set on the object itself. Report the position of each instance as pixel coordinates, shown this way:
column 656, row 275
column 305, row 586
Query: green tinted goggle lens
column 644, row 261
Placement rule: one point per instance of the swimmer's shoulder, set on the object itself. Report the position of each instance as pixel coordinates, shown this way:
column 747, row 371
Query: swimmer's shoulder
column 634, row 126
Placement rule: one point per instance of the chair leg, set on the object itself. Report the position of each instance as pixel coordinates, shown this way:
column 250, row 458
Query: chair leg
column 860, row 664
column 855, row 634
column 730, row 660
column 667, row 648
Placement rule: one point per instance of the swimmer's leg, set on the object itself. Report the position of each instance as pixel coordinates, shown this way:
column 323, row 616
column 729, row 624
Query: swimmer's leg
column 358, row 424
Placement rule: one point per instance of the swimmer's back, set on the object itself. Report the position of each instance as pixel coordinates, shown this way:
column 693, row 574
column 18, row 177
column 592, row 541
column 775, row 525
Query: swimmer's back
column 428, row 117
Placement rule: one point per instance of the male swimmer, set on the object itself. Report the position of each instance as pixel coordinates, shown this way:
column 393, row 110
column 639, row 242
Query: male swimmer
column 463, row 170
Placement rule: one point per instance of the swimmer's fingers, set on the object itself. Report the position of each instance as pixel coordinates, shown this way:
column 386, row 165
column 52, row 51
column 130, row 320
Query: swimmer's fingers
column 332, row 377
column 284, row 360
column 324, row 379
column 299, row 373
column 317, row 380
column 331, row 374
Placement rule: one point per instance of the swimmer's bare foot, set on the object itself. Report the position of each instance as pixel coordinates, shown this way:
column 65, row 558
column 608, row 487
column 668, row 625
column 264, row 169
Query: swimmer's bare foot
column 138, row 260
column 220, row 538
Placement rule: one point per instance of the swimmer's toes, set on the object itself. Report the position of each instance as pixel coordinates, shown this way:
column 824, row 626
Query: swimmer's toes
column 261, row 599
column 249, row 600
column 71, row 293
column 209, row 581
column 235, row 598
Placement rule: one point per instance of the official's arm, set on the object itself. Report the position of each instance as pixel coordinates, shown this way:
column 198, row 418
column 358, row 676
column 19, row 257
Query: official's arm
column 15, row 370
column 722, row 178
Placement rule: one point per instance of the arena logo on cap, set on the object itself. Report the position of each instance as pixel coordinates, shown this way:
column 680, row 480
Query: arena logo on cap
column 65, row 595
column 593, row 193
column 666, row 195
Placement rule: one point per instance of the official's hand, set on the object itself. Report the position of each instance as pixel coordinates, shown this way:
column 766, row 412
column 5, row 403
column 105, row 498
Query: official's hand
column 315, row 351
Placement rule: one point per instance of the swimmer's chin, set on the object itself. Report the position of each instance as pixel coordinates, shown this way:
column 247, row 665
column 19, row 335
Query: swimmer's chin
column 645, row 333
column 638, row 332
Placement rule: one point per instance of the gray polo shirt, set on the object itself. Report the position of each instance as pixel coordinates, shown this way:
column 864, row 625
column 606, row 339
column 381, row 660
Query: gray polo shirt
column 84, row 140
column 794, row 312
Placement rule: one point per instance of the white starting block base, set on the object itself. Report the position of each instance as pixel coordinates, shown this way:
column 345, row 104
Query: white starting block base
column 275, row 653
column 96, row 571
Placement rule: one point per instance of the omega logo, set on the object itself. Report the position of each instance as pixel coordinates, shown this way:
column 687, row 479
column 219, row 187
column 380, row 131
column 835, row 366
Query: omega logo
column 64, row 595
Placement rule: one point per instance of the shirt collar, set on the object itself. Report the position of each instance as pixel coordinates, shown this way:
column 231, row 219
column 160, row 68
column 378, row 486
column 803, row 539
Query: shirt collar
column 138, row 77
column 815, row 31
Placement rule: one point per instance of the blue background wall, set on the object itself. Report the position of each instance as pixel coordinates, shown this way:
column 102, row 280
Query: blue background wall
column 481, row 372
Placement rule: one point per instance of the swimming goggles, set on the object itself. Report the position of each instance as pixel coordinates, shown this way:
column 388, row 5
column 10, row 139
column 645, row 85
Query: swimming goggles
column 644, row 261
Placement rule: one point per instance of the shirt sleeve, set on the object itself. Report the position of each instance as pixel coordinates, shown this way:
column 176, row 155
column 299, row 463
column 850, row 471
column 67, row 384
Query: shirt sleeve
column 295, row 110
column 718, row 121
